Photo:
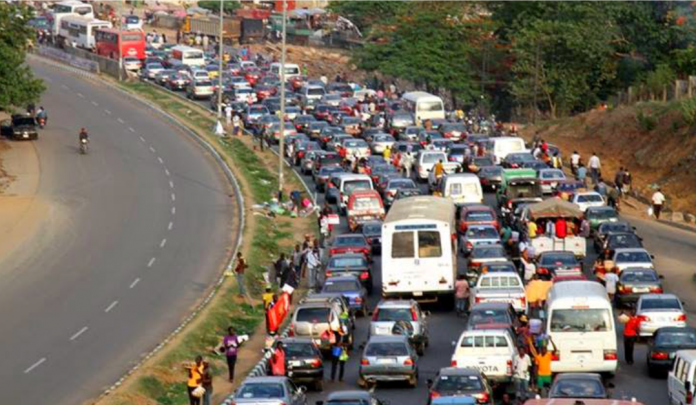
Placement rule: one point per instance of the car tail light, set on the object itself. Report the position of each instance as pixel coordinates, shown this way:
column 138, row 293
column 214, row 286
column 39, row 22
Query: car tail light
column 556, row 355
column 365, row 251
column 509, row 367
column 469, row 245
column 414, row 315
column 375, row 314
column 644, row 318
column 659, row 356
column 364, row 362
column 333, row 252
column 610, row 355
column 316, row 362
column 523, row 301
column 453, row 363
column 689, row 397
column 291, row 331
column 408, row 362
column 434, row 394
column 482, row 397
column 509, row 204
column 364, row 275
column 358, row 300
column 543, row 270
column 478, row 300
column 681, row 318
column 657, row 290
column 625, row 289
column 328, row 274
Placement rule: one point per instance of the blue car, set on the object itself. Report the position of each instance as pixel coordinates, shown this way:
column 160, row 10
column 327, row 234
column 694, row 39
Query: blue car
column 351, row 288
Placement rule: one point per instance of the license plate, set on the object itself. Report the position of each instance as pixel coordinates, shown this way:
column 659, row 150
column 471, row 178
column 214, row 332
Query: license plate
column 295, row 363
column 386, row 361
column 418, row 294
column 26, row 135
column 641, row 290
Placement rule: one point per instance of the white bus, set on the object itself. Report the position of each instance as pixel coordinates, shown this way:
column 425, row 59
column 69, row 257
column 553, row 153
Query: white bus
column 71, row 7
column 581, row 324
column 291, row 70
column 419, row 249
column 78, row 32
column 188, row 56
column 424, row 106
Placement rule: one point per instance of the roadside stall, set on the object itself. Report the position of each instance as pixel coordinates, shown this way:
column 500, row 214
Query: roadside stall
column 561, row 213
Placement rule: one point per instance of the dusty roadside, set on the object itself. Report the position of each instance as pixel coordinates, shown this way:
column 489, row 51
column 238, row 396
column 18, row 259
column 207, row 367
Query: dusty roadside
column 22, row 211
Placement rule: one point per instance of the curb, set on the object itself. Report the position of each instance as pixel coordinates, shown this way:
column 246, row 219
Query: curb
column 238, row 195
column 677, row 225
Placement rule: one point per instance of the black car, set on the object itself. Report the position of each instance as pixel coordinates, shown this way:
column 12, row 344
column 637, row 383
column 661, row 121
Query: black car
column 304, row 362
column 407, row 192
column 372, row 230
column 620, row 240
column 635, row 281
column 607, row 228
column 556, row 263
column 350, row 264
column 460, row 382
column 21, row 126
column 491, row 177
column 515, row 160
column 664, row 344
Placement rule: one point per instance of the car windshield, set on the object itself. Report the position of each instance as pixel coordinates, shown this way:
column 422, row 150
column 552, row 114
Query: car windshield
column 372, row 229
column 481, row 233
column 299, row 350
column 558, row 260
column 261, row 391
column 580, row 320
column 366, row 203
column 577, row 388
column 458, row 383
column 601, row 214
column 402, row 183
column 338, row 262
column 660, row 303
column 614, row 227
column 353, row 185
column 553, row 175
column 632, row 257
column 433, row 157
column 24, row 121
column 355, row 144
column 637, row 276
column 394, row 314
column 588, row 198
column 386, row 349
column 335, row 286
column 524, row 190
column 349, row 241
column 313, row 315
column 520, row 157
column 628, row 240
column 488, row 252
column 478, row 317
column 491, row 171
column 675, row 339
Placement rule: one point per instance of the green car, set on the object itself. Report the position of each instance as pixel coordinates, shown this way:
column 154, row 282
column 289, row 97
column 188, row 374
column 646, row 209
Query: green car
column 599, row 215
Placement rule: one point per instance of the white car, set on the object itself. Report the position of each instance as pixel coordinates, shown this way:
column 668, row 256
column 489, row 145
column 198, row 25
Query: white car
column 658, row 311
column 632, row 257
column 588, row 199
column 200, row 89
column 490, row 351
column 200, row 74
column 380, row 143
column 132, row 63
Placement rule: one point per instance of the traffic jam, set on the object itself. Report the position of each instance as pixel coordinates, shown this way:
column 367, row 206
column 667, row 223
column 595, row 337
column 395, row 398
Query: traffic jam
column 443, row 226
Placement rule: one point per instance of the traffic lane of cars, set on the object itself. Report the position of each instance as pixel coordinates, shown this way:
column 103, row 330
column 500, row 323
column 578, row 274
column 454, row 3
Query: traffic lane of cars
column 118, row 202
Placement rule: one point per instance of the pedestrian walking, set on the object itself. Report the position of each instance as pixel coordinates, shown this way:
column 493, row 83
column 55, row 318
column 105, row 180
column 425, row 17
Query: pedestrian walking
column 610, row 281
column 630, row 335
column 239, row 271
column 618, row 180
column 339, row 357
column 521, row 365
column 581, row 174
column 627, row 180
column 236, row 124
column 574, row 162
column 658, row 200
column 387, row 154
column 207, row 383
column 297, row 259
column 230, row 344
column 595, row 166
column 194, row 381
column 313, row 264
column 281, row 267
column 543, row 359
column 228, row 114
column 461, row 293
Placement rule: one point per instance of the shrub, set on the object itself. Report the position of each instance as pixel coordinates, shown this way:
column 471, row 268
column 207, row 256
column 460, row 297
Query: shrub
column 646, row 122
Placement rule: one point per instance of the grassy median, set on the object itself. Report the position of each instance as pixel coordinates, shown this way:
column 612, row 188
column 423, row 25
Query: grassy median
column 162, row 379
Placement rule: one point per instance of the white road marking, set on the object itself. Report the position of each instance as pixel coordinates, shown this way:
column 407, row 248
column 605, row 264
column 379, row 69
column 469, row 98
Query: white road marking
column 65, row 87
column 79, row 332
column 33, row 366
column 80, row 95
column 173, row 210
column 173, row 197
column 152, row 149
column 160, row 160
column 142, row 139
column 171, row 184
column 108, row 112
column 166, row 172
column 131, row 129
column 164, row 242
column 120, row 120
column 111, row 306
column 135, row 282
column 151, row 262
column 170, row 226
column 94, row 103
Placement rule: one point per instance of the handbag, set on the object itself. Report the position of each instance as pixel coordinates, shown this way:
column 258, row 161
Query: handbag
column 336, row 351
column 198, row 392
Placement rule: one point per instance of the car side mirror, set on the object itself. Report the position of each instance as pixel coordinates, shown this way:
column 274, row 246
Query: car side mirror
column 652, row 256
column 370, row 313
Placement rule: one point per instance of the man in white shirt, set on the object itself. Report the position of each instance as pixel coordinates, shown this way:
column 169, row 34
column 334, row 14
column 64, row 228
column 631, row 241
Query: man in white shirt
column 574, row 161
column 595, row 166
column 610, row 281
column 658, row 199
column 521, row 365
column 312, row 266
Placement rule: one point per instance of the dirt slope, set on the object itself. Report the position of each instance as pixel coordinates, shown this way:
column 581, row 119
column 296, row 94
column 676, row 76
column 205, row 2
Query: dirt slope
column 651, row 139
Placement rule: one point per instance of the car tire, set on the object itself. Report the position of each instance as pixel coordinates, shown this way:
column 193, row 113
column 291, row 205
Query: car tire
column 420, row 349
column 319, row 385
column 413, row 381
column 362, row 383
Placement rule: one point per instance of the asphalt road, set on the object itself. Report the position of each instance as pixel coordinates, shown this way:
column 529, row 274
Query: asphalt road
column 138, row 230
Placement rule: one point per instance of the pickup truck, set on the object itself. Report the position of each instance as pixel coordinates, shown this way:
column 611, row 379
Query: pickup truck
column 490, row 351
column 499, row 287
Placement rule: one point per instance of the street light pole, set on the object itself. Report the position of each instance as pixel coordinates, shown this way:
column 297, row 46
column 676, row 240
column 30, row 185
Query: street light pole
column 220, row 54
column 281, row 146
column 120, row 42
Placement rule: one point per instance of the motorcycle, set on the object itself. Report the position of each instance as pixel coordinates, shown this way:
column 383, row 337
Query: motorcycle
column 83, row 146
column 41, row 121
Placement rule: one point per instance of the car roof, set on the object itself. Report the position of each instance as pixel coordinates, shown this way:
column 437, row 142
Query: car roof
column 491, row 305
column 459, row 371
column 565, row 376
column 665, row 296
column 346, row 277
column 353, row 394
column 387, row 339
column 265, row 379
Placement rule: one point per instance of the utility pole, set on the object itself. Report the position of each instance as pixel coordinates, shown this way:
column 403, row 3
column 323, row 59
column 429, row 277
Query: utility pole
column 536, row 83
column 220, row 55
column 281, row 143
column 120, row 42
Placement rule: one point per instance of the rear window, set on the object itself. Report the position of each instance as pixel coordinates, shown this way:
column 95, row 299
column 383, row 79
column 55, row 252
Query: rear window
column 479, row 216
column 557, row 260
column 500, row 282
column 386, row 349
column 317, row 91
column 488, row 316
column 348, row 262
column 313, row 315
column 481, row 233
column 261, row 391
column 484, row 341
column 584, row 198
column 300, row 350
column 402, row 245
column 336, row 286
column 366, row 203
column 448, row 383
column 350, row 186
column 601, row 214
column 675, row 339
column 429, row 244
column 433, row 158
column 638, row 276
column 349, row 241
column 580, row 320
column 394, row 314
column 632, row 257
column 662, row 303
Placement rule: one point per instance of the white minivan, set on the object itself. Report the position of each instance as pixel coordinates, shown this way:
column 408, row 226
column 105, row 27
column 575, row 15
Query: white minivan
column 581, row 324
column 680, row 381
column 291, row 70
column 504, row 145
column 462, row 188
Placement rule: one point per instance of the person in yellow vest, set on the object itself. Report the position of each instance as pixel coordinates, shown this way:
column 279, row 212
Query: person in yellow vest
column 195, row 379
column 387, row 154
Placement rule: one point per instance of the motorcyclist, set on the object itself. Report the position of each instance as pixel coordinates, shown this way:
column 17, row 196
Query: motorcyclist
column 83, row 135
column 41, row 115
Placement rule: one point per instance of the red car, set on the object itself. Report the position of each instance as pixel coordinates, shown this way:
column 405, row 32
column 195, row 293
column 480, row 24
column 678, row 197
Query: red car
column 350, row 243
column 477, row 215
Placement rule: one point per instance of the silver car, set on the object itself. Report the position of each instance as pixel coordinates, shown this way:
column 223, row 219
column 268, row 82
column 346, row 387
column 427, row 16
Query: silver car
column 269, row 391
column 388, row 358
column 479, row 235
column 380, row 143
column 388, row 312
column 658, row 311
column 199, row 89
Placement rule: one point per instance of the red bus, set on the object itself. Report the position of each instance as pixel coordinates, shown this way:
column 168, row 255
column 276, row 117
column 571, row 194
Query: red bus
column 132, row 43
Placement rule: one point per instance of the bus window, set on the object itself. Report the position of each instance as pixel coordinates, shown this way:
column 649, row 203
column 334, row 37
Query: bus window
column 402, row 245
column 429, row 244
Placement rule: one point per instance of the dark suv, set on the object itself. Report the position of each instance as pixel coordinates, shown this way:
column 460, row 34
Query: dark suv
column 304, row 362
column 21, row 126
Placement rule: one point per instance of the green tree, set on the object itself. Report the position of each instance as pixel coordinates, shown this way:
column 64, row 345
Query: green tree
column 364, row 14
column 659, row 79
column 18, row 86
column 228, row 7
